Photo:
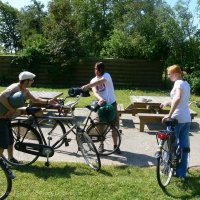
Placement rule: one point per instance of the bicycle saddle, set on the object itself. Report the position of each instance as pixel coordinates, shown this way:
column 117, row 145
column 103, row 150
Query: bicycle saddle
column 171, row 122
column 32, row 110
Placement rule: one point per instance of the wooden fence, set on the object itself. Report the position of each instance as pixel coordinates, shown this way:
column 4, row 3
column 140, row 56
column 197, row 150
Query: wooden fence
column 125, row 73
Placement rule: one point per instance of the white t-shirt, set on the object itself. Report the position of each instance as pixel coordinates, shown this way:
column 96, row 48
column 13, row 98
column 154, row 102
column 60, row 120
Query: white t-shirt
column 106, row 90
column 182, row 112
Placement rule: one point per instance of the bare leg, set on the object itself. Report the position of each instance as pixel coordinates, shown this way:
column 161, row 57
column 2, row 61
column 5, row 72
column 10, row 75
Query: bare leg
column 10, row 151
column 114, row 137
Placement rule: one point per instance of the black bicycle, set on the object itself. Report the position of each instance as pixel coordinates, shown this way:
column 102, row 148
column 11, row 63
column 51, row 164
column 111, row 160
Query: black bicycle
column 6, row 177
column 101, row 133
column 168, row 155
column 37, row 138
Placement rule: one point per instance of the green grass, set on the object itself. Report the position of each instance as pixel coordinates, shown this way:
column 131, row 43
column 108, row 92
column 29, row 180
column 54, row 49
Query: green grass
column 74, row 181
column 122, row 95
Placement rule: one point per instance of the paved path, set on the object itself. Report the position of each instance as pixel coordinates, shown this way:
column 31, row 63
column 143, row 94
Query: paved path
column 137, row 148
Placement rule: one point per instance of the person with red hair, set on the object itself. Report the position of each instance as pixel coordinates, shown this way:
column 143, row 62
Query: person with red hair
column 180, row 95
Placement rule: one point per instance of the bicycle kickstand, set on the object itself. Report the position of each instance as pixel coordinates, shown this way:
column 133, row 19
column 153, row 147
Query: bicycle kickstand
column 47, row 163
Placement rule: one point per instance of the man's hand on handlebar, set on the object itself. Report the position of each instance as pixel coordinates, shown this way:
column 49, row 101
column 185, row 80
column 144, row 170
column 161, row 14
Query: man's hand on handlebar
column 85, row 87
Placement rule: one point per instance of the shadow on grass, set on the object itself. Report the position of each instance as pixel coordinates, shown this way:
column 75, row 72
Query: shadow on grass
column 59, row 171
column 130, row 158
column 188, row 189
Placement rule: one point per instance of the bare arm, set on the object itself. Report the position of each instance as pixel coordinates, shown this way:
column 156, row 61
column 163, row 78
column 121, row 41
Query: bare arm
column 91, row 85
column 98, row 97
column 165, row 104
column 39, row 100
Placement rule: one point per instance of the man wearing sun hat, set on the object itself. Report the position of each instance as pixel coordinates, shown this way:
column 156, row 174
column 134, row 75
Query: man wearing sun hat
column 11, row 99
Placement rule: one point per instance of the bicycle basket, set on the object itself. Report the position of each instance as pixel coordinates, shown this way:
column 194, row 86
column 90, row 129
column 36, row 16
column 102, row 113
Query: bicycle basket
column 106, row 113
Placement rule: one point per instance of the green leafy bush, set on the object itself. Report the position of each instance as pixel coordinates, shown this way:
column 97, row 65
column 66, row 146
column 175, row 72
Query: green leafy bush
column 194, row 81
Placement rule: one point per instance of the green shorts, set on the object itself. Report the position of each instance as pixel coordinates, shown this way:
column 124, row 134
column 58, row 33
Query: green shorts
column 6, row 136
column 115, row 122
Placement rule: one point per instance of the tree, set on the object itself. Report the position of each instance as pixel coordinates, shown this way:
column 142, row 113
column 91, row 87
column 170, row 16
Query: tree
column 31, row 22
column 94, row 21
column 140, row 33
column 61, row 33
column 9, row 35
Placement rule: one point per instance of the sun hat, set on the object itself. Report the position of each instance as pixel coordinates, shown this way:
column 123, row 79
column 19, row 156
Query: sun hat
column 26, row 75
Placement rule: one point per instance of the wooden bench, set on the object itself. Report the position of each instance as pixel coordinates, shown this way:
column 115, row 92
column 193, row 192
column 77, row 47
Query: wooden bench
column 193, row 113
column 120, row 109
column 148, row 118
column 151, row 117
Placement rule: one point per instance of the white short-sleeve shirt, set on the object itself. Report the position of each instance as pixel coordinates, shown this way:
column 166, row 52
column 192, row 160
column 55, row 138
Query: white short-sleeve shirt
column 106, row 90
column 182, row 112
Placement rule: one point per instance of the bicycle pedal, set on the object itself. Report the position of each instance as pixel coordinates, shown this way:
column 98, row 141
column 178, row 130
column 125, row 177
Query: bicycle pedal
column 67, row 142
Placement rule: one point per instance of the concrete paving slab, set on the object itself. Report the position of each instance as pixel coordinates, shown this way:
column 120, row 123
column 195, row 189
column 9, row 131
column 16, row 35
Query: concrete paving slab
column 137, row 148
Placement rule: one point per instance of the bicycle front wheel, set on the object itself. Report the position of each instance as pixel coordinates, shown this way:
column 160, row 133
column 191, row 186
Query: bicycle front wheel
column 103, row 135
column 88, row 151
column 23, row 133
column 5, row 183
column 164, row 169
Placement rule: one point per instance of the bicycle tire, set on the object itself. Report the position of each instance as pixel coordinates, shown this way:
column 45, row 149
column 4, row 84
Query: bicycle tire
column 23, row 132
column 5, row 183
column 89, row 151
column 101, row 132
column 54, row 129
column 164, row 170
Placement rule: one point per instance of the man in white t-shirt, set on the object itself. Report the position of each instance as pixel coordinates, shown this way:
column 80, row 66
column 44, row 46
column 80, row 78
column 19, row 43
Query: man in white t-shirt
column 103, row 90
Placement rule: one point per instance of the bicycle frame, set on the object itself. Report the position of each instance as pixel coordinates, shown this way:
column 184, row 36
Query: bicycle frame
column 55, row 118
column 85, row 144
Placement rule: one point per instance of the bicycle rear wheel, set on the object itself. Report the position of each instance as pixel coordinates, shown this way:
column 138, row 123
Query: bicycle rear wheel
column 5, row 183
column 164, row 169
column 88, row 151
column 23, row 133
column 102, row 134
